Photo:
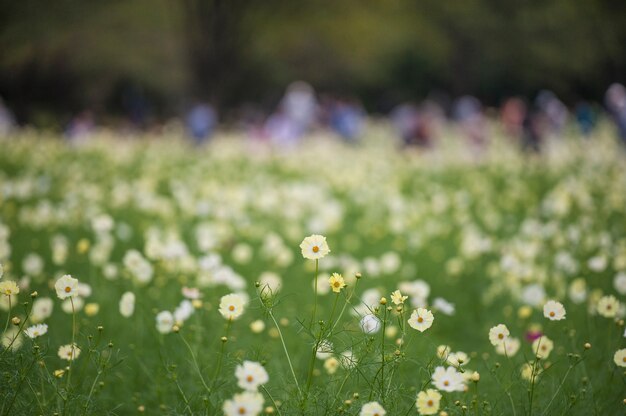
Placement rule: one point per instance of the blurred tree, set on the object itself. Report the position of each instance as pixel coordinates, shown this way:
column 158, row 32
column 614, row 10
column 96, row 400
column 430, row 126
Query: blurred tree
column 66, row 55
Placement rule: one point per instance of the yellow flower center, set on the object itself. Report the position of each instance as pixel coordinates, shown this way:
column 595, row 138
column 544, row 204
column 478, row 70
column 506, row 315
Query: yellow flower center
column 501, row 336
column 316, row 249
column 420, row 319
column 446, row 383
column 337, row 284
column 231, row 308
column 429, row 403
column 624, row 359
column 68, row 289
column 249, row 379
column 552, row 314
column 242, row 411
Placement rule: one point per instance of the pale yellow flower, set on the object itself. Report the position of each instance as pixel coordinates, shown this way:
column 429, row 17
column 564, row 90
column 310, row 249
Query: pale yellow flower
column 397, row 298
column 608, row 306
column 620, row 357
column 542, row 346
column 428, row 402
column 9, row 288
column 336, row 282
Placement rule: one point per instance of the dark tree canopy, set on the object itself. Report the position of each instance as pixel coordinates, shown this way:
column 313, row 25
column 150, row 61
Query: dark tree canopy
column 62, row 56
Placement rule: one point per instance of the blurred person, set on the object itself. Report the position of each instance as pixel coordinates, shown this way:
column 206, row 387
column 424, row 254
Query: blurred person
column 533, row 130
column 615, row 101
column 412, row 125
column 585, row 117
column 296, row 115
column 554, row 111
column 468, row 113
column 7, row 120
column 512, row 115
column 346, row 118
column 201, row 121
column 81, row 127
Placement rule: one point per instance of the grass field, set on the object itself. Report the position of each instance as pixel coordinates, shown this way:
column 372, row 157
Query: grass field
column 476, row 240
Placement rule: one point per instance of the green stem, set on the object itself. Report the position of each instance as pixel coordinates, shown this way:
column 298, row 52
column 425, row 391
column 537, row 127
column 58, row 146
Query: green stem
column 6, row 326
column 382, row 357
column 219, row 359
column 195, row 363
column 314, row 296
column 73, row 351
column 282, row 340
column 272, row 399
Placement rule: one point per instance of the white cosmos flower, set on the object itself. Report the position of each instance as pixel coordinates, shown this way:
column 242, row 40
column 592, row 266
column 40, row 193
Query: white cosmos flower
column 458, row 358
column 554, row 310
column 314, row 247
column 250, row 375
column 232, row 306
column 191, row 293
column 498, row 334
column 509, row 347
column 448, row 379
column 421, row 319
column 443, row 306
column 66, row 287
column 73, row 305
column 619, row 282
column 42, row 309
column 183, row 311
column 534, row 295
column 69, row 352
column 608, row 306
column 244, row 404
column 370, row 324
column 164, row 322
column 127, row 304
column 372, row 409
column 542, row 346
column 36, row 330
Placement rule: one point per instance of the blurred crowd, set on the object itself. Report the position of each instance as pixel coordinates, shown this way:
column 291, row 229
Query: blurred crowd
column 301, row 111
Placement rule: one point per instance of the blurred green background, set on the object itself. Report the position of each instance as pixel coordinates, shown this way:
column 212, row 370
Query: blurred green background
column 60, row 57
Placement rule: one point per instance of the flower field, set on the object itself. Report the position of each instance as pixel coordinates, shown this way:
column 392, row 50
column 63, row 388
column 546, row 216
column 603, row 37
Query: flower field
column 152, row 277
